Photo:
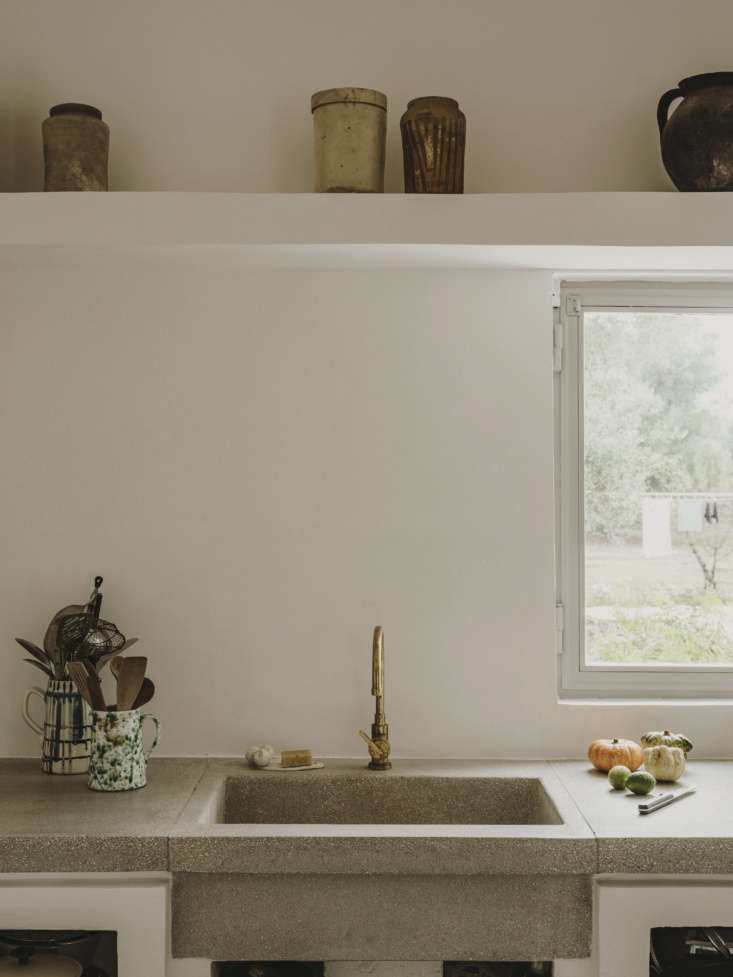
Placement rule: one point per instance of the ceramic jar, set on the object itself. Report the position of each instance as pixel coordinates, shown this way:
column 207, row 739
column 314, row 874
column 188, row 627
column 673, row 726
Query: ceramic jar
column 66, row 733
column 118, row 759
column 433, row 145
column 697, row 139
column 350, row 131
column 75, row 148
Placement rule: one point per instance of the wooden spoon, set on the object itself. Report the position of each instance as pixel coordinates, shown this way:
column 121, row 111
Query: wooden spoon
column 146, row 693
column 129, row 681
column 147, row 689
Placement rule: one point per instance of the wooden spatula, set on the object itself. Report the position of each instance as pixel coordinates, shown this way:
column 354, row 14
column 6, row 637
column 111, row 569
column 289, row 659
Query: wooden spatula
column 88, row 685
column 129, row 681
column 95, row 689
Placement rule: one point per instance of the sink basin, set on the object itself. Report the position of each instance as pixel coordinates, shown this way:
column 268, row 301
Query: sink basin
column 324, row 798
column 450, row 852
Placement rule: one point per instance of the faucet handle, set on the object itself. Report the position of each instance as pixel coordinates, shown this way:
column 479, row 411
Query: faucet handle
column 377, row 751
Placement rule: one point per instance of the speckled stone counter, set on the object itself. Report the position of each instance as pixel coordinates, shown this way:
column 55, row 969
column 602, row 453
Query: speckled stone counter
column 694, row 835
column 56, row 824
column 519, row 884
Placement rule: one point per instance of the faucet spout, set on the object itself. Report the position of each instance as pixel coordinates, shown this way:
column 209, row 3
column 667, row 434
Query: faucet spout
column 378, row 662
column 378, row 743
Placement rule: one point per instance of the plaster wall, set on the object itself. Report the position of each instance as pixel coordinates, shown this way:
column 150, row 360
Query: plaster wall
column 264, row 465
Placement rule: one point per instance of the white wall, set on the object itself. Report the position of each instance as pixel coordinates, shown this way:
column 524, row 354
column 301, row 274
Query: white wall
column 264, row 465
column 216, row 96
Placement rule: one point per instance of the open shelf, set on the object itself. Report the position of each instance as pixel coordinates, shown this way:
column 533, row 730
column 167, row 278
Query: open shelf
column 604, row 232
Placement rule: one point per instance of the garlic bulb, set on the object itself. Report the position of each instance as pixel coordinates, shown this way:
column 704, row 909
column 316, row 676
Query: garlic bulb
column 259, row 756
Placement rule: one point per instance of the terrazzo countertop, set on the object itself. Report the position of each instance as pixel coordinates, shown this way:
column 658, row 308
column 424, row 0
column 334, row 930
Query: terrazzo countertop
column 694, row 834
column 55, row 824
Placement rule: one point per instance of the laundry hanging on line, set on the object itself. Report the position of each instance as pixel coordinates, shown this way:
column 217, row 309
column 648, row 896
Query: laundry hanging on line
column 656, row 529
column 689, row 515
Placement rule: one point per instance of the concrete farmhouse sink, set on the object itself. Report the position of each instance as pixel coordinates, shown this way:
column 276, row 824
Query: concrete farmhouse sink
column 377, row 798
column 460, row 857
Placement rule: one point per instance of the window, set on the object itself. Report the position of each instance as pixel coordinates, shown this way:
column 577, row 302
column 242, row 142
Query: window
column 644, row 493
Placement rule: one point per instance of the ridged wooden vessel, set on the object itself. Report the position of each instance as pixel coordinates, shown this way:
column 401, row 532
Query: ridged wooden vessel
column 433, row 145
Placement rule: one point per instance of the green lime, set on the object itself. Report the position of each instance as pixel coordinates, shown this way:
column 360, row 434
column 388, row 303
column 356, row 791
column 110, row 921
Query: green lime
column 618, row 775
column 641, row 782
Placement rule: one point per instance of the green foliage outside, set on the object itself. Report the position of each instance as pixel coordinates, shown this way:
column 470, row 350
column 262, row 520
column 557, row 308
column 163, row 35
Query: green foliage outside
column 658, row 418
column 670, row 633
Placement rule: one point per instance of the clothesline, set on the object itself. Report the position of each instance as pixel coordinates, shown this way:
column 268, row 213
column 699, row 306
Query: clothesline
column 704, row 496
column 688, row 495
column 694, row 510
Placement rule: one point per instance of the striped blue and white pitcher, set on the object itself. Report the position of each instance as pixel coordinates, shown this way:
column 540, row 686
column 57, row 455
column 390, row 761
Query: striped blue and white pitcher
column 66, row 733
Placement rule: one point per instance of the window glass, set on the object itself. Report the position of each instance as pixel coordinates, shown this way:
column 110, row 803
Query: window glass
column 658, row 487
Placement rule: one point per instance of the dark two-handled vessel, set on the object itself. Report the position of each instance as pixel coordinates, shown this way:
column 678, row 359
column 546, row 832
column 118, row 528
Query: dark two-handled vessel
column 697, row 139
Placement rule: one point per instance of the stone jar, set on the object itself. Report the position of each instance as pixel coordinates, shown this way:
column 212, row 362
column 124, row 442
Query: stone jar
column 433, row 145
column 75, row 148
column 66, row 732
column 350, row 131
column 697, row 139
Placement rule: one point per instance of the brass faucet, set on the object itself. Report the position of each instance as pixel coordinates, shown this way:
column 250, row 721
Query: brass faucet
column 378, row 742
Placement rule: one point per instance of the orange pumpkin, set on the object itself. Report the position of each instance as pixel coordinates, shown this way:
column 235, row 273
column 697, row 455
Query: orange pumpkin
column 604, row 754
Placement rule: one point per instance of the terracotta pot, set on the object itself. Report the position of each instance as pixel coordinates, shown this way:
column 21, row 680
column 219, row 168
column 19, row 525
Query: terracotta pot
column 350, row 130
column 697, row 139
column 433, row 145
column 75, row 148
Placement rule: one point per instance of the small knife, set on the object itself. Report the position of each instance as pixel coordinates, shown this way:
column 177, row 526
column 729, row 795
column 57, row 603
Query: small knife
column 664, row 800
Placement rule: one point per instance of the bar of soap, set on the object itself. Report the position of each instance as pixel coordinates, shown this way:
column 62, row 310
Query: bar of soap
column 297, row 758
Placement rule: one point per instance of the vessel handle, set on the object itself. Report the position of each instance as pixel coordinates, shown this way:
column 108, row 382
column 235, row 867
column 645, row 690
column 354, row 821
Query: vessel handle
column 156, row 723
column 663, row 107
column 36, row 727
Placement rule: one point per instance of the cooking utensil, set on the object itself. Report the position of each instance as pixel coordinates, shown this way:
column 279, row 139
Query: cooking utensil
column 46, row 671
column 147, row 689
column 78, row 674
column 94, row 605
column 146, row 693
column 50, row 641
column 88, row 685
column 34, row 650
column 86, row 638
column 129, row 681
column 43, row 662
column 648, row 807
column 95, row 689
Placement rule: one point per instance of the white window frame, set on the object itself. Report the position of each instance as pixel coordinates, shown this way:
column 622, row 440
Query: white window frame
column 576, row 679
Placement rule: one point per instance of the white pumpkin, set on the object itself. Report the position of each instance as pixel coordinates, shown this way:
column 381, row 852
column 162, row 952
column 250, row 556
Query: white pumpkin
column 665, row 762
